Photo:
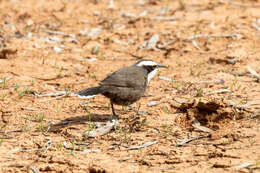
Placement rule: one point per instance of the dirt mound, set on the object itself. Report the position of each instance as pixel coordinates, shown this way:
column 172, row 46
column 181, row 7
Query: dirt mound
column 212, row 114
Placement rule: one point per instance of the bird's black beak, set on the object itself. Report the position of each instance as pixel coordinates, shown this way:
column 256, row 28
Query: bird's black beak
column 161, row 66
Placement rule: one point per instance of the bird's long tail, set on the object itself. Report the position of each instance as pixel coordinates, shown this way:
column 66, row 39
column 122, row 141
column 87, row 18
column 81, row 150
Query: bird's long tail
column 88, row 93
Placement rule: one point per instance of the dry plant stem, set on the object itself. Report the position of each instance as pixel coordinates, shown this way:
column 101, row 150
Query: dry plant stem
column 248, row 104
column 213, row 36
column 195, row 44
column 162, row 18
column 256, row 27
column 29, row 109
column 34, row 169
column 56, row 93
column 219, row 91
column 102, row 130
column 185, row 141
column 211, row 82
column 57, row 33
column 243, row 5
column 164, row 45
column 11, row 131
column 55, row 98
column 254, row 73
column 48, row 79
column 141, row 146
column 196, row 124
column 244, row 165
column 167, row 79
column 46, row 147
column 6, row 79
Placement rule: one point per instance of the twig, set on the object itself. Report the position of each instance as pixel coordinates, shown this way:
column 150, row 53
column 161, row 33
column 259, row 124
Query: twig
column 163, row 18
column 11, row 131
column 162, row 46
column 47, row 145
column 157, row 169
column 125, row 159
column 151, row 44
column 244, row 165
column 185, row 141
column 57, row 93
column 60, row 94
column 220, row 91
column 166, row 79
column 6, row 137
column 235, row 105
column 102, row 130
column 243, row 5
column 111, row 4
column 34, row 169
column 35, row 120
column 251, row 117
column 181, row 101
column 153, row 103
column 195, row 44
column 24, row 150
column 28, row 109
column 221, row 81
column 141, row 146
column 55, row 98
column 59, row 33
column 254, row 73
column 256, row 27
column 232, row 35
column 72, row 147
column 136, row 56
column 196, row 124
column 90, row 151
column 6, row 79
column 49, row 79
column 248, row 104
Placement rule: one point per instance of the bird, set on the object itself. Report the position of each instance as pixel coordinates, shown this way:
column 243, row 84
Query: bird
column 126, row 85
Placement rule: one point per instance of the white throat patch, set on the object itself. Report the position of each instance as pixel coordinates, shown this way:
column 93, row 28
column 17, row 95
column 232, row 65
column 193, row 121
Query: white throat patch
column 151, row 75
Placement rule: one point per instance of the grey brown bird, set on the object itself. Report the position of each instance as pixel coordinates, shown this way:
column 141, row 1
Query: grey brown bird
column 126, row 85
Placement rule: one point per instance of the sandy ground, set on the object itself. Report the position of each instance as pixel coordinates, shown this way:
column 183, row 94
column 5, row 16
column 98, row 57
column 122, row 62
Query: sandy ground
column 206, row 112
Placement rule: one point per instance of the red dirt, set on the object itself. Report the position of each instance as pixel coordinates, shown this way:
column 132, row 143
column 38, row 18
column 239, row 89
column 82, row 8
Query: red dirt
column 33, row 61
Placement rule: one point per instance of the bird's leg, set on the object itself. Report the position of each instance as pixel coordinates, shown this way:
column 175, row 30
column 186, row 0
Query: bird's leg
column 138, row 111
column 139, row 106
column 115, row 116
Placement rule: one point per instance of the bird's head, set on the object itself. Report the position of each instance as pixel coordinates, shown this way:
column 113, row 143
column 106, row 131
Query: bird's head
column 151, row 67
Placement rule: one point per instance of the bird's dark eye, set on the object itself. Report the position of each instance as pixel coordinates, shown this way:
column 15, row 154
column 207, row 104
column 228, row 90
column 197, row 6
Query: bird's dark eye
column 150, row 68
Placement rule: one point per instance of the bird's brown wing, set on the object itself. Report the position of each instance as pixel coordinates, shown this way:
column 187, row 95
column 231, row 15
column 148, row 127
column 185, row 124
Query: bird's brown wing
column 132, row 76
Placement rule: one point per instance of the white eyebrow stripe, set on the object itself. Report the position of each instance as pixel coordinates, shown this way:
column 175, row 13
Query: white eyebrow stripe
column 148, row 63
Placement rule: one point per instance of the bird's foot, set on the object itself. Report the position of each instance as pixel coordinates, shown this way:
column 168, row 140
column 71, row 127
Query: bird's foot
column 114, row 117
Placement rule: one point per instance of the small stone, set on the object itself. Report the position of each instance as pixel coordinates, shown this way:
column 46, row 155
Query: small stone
column 30, row 22
column 57, row 49
column 152, row 103
column 94, row 32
